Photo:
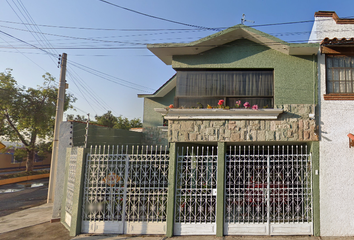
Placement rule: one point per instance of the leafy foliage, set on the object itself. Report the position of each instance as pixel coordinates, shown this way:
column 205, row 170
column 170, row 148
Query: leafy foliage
column 106, row 119
column 79, row 118
column 27, row 115
column 120, row 122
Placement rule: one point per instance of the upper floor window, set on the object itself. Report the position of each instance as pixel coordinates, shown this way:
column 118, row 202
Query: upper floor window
column 202, row 88
column 340, row 74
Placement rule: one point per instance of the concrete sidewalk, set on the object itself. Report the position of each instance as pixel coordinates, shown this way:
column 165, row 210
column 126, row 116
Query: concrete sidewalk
column 34, row 223
column 26, row 218
column 159, row 237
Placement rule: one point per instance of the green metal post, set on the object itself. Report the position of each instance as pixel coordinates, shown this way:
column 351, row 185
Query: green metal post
column 171, row 190
column 75, row 228
column 316, row 187
column 220, row 190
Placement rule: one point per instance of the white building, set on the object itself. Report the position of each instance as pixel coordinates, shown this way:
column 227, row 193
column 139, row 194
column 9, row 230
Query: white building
column 336, row 120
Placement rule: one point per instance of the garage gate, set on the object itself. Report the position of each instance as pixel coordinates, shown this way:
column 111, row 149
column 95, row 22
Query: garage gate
column 268, row 191
column 125, row 190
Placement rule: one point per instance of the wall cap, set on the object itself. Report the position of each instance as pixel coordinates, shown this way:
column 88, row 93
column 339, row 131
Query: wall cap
column 218, row 114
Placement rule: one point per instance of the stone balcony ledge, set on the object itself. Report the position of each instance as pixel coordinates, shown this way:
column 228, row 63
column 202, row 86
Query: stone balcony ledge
column 218, row 114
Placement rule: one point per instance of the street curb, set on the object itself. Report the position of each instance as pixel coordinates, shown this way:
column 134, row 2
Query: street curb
column 23, row 179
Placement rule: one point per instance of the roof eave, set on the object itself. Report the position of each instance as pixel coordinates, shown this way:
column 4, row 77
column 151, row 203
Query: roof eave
column 163, row 90
column 166, row 51
column 304, row 49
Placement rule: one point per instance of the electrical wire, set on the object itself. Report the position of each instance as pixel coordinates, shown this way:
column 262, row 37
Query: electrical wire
column 24, row 55
column 155, row 17
column 24, row 16
column 89, row 97
column 100, row 102
column 107, row 29
column 105, row 78
column 105, row 74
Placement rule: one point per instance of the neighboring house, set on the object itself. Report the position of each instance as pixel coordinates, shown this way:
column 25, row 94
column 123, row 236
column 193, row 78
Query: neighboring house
column 239, row 171
column 8, row 160
column 336, row 104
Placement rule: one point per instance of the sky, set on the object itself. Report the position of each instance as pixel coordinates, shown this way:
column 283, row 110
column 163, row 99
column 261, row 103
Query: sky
column 105, row 41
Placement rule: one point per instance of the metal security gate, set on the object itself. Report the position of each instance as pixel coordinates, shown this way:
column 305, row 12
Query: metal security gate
column 268, row 191
column 195, row 205
column 125, row 190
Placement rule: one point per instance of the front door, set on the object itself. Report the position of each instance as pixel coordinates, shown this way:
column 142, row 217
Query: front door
column 195, row 205
column 268, row 191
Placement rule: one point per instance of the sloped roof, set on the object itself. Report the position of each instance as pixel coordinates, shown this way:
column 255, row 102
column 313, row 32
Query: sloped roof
column 167, row 50
column 2, row 146
column 336, row 41
column 163, row 90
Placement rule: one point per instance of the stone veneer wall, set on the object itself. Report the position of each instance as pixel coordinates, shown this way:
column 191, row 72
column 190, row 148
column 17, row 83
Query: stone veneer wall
column 154, row 136
column 293, row 124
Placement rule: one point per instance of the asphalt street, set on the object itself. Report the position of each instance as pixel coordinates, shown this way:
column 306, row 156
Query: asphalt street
column 19, row 196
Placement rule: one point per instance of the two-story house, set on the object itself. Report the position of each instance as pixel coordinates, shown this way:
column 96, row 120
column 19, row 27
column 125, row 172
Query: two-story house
column 242, row 134
column 335, row 98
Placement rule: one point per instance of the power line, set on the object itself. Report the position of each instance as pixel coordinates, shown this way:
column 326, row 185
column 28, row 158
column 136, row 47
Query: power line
column 28, row 16
column 135, row 43
column 80, row 38
column 83, row 95
column 107, row 29
column 120, row 79
column 161, row 29
column 155, row 17
column 91, row 94
column 9, row 35
column 24, row 55
column 99, row 74
column 100, row 37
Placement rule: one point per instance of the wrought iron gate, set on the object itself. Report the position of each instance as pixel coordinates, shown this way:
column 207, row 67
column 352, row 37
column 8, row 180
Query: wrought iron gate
column 195, row 204
column 125, row 190
column 268, row 191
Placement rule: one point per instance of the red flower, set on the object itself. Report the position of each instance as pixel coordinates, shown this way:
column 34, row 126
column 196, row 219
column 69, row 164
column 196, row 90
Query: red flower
column 255, row 107
column 246, row 105
column 221, row 102
column 171, row 106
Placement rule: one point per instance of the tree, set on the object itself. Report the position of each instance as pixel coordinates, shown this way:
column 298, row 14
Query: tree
column 106, row 119
column 120, row 122
column 28, row 115
column 125, row 123
column 79, row 118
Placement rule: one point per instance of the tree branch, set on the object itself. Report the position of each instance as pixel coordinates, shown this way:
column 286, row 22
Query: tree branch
column 15, row 129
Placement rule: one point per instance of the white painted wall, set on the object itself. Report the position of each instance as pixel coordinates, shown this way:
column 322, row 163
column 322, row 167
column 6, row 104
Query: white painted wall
column 336, row 158
column 326, row 27
column 65, row 141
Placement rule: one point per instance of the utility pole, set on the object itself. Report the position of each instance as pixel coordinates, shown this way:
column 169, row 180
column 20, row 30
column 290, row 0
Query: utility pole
column 58, row 120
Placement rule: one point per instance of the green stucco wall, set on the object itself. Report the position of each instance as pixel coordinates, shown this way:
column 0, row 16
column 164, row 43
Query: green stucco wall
column 152, row 118
column 294, row 80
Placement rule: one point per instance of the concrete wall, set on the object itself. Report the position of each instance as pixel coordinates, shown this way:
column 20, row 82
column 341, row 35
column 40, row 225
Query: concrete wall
column 155, row 136
column 65, row 141
column 294, row 76
column 336, row 158
column 292, row 125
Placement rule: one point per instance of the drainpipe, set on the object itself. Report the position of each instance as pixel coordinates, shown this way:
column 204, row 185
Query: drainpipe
column 315, row 77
